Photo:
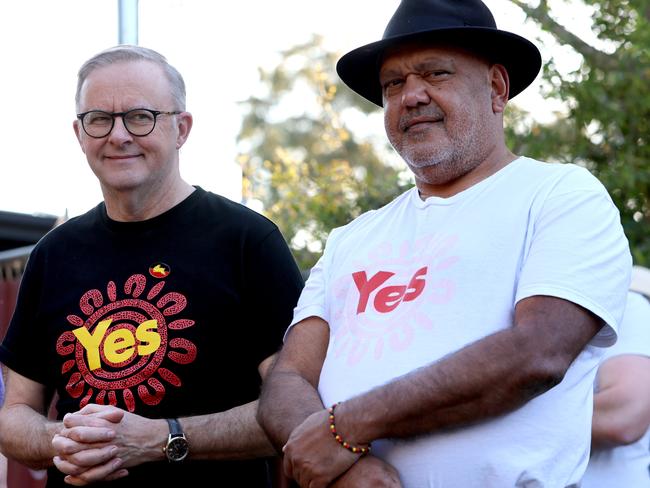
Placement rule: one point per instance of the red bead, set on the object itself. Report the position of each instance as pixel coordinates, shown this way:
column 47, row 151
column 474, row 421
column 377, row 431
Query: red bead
column 339, row 439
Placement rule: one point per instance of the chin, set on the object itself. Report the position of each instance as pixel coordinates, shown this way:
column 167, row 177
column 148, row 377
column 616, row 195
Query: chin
column 423, row 162
column 120, row 184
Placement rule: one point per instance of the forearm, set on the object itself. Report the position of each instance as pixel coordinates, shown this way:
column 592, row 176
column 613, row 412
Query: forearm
column 490, row 377
column 228, row 435
column 608, row 426
column 289, row 392
column 233, row 434
column 287, row 400
column 26, row 436
column 486, row 379
column 622, row 404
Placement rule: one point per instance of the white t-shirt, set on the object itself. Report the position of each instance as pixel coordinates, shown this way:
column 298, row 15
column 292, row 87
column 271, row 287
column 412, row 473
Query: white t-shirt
column 405, row 285
column 625, row 466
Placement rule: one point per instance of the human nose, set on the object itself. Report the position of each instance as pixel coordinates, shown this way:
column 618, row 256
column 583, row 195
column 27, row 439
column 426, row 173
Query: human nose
column 119, row 133
column 414, row 92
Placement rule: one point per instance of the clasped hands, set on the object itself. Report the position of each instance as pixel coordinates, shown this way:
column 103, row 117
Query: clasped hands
column 99, row 442
column 314, row 458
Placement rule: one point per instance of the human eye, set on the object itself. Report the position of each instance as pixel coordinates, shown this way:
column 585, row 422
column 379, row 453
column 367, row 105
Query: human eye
column 140, row 117
column 436, row 74
column 392, row 85
column 98, row 118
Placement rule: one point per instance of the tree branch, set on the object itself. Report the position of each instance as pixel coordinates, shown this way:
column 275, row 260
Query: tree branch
column 540, row 14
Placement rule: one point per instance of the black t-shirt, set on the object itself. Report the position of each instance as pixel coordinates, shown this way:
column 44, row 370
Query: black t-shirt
column 168, row 317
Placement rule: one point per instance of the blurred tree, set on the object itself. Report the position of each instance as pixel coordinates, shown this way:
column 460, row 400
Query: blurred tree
column 607, row 125
column 311, row 172
column 300, row 160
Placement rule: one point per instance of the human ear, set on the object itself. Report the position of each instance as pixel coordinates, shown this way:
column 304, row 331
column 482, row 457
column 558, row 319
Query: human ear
column 500, row 83
column 76, row 125
column 184, row 121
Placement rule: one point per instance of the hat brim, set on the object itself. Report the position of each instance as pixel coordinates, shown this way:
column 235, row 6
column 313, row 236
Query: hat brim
column 359, row 69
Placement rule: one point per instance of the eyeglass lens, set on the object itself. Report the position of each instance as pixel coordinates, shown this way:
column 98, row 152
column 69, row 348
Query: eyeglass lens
column 139, row 122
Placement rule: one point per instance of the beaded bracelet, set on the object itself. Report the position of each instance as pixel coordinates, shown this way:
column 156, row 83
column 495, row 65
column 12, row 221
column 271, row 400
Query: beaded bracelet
column 362, row 450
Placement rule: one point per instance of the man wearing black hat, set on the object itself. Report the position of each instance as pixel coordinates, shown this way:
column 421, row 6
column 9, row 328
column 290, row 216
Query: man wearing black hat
column 454, row 333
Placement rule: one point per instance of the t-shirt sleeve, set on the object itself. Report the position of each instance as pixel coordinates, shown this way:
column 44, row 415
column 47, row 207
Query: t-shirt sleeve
column 634, row 331
column 23, row 348
column 273, row 283
column 578, row 252
column 312, row 302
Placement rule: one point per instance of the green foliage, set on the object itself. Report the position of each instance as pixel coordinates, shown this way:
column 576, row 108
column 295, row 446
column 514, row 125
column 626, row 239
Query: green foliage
column 300, row 159
column 312, row 173
column 607, row 126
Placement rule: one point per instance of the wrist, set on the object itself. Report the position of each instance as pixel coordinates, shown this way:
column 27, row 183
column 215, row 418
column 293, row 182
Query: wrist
column 159, row 433
column 344, row 436
column 176, row 448
column 355, row 423
column 52, row 428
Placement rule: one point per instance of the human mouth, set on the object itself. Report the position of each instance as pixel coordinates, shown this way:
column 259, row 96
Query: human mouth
column 409, row 122
column 122, row 157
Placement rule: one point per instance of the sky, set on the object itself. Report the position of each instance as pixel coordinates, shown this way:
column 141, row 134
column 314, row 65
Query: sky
column 217, row 46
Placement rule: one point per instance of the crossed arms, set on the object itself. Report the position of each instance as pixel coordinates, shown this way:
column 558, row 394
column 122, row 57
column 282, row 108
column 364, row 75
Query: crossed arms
column 492, row 376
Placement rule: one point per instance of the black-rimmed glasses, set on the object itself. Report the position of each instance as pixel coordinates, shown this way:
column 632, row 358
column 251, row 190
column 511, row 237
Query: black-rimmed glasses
column 138, row 122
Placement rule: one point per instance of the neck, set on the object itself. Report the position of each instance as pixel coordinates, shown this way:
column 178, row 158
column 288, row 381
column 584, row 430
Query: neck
column 139, row 205
column 485, row 169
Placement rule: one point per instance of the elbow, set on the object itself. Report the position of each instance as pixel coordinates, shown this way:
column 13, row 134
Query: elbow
column 262, row 415
column 543, row 374
column 627, row 436
column 621, row 432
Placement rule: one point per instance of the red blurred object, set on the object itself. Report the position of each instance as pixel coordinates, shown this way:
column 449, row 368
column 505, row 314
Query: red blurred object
column 12, row 264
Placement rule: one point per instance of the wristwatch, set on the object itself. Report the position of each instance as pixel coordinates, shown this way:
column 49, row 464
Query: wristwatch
column 177, row 447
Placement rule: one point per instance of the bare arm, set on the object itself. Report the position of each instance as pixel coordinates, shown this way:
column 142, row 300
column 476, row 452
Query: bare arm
column 83, row 454
column 25, row 432
column 289, row 393
column 490, row 377
column 233, row 434
column 622, row 403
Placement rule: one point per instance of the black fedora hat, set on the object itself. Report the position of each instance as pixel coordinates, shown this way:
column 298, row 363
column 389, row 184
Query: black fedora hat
column 464, row 23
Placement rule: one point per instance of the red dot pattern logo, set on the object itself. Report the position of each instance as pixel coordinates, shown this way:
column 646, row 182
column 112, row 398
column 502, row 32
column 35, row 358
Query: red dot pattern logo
column 117, row 359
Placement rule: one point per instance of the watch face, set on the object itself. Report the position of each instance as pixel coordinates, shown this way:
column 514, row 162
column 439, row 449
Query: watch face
column 177, row 449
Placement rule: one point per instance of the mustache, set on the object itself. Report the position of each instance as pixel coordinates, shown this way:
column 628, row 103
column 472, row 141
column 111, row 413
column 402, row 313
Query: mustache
column 418, row 114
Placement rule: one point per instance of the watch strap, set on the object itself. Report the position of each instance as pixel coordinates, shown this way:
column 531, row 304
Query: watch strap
column 175, row 429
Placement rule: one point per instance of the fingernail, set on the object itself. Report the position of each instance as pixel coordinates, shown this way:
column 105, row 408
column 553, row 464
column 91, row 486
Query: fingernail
column 117, row 463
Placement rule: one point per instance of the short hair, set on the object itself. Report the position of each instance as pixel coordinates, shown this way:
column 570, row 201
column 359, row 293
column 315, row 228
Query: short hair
column 125, row 53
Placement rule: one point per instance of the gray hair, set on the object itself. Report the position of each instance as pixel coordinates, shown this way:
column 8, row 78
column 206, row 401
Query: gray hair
column 126, row 52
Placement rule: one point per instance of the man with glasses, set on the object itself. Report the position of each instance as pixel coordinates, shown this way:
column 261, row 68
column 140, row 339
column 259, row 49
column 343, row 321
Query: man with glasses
column 152, row 316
